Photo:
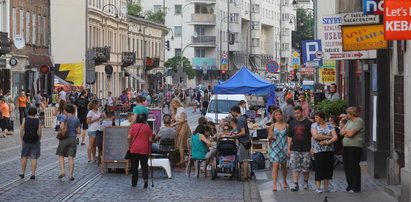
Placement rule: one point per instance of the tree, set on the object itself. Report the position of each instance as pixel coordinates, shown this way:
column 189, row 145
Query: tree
column 158, row 17
column 175, row 63
column 135, row 8
column 305, row 28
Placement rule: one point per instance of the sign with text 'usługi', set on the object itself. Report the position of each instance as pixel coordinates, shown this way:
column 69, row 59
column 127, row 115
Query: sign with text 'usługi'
column 363, row 37
column 397, row 20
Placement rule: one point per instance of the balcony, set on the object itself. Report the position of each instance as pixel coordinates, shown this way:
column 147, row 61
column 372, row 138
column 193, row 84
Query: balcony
column 204, row 63
column 203, row 19
column 203, row 1
column 203, row 41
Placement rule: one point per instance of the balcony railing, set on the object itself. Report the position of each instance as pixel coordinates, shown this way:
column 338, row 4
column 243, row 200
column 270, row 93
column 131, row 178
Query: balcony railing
column 203, row 40
column 203, row 1
column 203, row 18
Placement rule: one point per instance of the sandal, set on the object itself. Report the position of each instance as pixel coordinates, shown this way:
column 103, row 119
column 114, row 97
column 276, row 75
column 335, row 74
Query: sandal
column 285, row 185
column 61, row 176
column 274, row 187
column 71, row 178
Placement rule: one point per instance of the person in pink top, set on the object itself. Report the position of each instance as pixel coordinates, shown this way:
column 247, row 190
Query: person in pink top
column 306, row 106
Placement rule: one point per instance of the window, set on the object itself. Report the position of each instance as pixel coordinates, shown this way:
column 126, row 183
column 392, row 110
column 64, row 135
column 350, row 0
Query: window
column 255, row 8
column 285, row 31
column 156, row 8
column 177, row 9
column 177, row 52
column 285, row 46
column 40, row 31
column 203, row 9
column 199, row 52
column 21, row 23
column 14, row 16
column 177, row 31
column 234, row 17
column 44, row 31
column 27, row 27
column 255, row 42
column 200, row 30
column 236, row 36
column 34, row 25
column 255, row 25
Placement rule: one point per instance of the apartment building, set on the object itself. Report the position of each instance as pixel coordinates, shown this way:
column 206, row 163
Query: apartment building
column 247, row 32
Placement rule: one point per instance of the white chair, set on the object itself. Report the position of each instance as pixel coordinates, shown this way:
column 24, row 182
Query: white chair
column 160, row 163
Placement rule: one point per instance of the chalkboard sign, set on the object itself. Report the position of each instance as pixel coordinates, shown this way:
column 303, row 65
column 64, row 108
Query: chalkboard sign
column 115, row 145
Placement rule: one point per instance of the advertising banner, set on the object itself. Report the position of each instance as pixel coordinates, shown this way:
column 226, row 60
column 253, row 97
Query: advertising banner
column 329, row 31
column 373, row 7
column 327, row 75
column 307, row 70
column 363, row 38
column 359, row 19
column 397, row 20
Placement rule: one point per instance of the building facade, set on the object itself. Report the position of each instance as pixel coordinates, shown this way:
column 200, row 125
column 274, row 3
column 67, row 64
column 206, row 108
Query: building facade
column 30, row 46
column 215, row 34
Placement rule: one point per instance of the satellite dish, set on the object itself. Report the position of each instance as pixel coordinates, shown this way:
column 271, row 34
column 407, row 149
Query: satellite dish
column 19, row 42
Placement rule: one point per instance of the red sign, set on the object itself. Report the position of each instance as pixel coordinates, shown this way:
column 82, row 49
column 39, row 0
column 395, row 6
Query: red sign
column 345, row 55
column 272, row 67
column 307, row 70
column 397, row 20
column 290, row 77
column 44, row 69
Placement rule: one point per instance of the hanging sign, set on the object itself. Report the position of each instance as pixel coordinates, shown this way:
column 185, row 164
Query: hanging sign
column 327, row 75
column 367, row 37
column 359, row 19
column 397, row 20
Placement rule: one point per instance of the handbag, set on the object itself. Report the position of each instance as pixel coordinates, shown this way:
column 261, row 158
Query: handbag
column 128, row 154
column 247, row 145
column 63, row 132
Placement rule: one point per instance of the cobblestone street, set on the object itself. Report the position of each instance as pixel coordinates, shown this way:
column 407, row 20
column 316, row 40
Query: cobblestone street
column 90, row 185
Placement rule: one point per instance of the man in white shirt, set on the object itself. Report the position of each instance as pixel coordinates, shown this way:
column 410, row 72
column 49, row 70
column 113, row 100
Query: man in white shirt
column 62, row 94
column 333, row 94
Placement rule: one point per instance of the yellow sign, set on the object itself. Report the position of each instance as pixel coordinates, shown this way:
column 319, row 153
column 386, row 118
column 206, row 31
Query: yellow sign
column 330, row 63
column 367, row 37
column 295, row 54
column 327, row 75
column 295, row 66
column 224, row 67
column 75, row 72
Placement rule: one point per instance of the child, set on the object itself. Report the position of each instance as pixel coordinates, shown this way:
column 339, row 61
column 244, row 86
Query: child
column 128, row 120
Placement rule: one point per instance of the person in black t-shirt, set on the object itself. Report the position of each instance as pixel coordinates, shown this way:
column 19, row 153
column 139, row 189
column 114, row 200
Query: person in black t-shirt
column 81, row 104
column 299, row 145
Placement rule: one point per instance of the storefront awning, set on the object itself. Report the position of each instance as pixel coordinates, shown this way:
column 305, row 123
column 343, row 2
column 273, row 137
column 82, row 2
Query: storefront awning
column 39, row 60
column 134, row 76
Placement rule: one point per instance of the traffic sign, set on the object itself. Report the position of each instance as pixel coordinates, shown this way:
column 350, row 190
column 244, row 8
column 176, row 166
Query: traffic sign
column 224, row 67
column 272, row 67
column 295, row 61
column 290, row 77
column 295, row 54
column 295, row 66
column 224, row 56
column 224, row 61
column 319, row 54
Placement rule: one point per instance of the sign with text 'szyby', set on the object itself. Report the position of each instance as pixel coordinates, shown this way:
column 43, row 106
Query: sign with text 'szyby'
column 359, row 19
column 397, row 20
column 329, row 31
column 373, row 7
column 367, row 37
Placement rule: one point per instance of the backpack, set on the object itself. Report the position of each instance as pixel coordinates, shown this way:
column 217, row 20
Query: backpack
column 258, row 161
column 30, row 132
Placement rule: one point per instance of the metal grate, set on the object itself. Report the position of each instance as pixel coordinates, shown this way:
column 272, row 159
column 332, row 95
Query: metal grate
column 399, row 118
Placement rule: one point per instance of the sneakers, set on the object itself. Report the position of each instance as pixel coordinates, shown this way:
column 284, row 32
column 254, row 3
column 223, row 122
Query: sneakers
column 305, row 185
column 295, row 187
column 77, row 141
column 318, row 191
column 330, row 190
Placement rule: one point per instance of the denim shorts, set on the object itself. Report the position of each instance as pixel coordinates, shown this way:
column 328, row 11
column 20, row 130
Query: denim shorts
column 92, row 133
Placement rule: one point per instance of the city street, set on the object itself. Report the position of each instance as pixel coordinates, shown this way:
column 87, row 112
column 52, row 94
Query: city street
column 90, row 185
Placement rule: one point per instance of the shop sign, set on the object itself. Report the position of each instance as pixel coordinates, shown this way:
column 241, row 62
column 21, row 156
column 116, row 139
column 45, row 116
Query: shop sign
column 367, row 37
column 373, row 7
column 359, row 19
column 327, row 75
column 307, row 70
column 397, row 20
column 329, row 31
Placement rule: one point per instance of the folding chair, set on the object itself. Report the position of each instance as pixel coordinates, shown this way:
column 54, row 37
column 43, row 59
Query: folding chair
column 197, row 162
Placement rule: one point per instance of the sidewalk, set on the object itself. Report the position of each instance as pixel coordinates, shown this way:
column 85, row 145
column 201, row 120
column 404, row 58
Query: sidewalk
column 372, row 189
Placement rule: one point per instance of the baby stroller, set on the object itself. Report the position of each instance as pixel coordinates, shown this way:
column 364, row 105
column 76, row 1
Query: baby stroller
column 226, row 160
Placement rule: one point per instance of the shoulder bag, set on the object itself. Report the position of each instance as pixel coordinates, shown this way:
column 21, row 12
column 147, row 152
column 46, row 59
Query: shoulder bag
column 63, row 131
column 128, row 155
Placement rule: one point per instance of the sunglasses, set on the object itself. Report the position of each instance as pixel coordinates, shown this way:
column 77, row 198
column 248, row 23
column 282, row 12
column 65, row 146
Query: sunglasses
column 226, row 129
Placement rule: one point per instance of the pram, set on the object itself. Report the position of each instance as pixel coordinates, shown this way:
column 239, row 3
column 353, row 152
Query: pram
column 226, row 160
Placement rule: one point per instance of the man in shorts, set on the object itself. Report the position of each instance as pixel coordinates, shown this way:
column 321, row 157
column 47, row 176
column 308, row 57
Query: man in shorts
column 299, row 145
column 243, row 134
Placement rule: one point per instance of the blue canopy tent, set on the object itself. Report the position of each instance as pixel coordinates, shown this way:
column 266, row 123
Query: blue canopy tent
column 246, row 82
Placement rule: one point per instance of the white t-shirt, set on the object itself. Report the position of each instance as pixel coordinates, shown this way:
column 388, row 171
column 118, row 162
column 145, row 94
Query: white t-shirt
column 178, row 114
column 95, row 126
column 125, row 123
column 62, row 95
column 110, row 101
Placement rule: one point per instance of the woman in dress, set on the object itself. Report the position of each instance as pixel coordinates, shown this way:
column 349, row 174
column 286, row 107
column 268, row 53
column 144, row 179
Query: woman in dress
column 30, row 149
column 323, row 139
column 140, row 138
column 277, row 134
column 183, row 130
column 67, row 146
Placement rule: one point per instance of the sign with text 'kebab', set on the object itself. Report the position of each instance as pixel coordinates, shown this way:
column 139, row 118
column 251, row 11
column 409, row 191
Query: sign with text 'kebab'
column 329, row 31
column 397, row 20
column 363, row 38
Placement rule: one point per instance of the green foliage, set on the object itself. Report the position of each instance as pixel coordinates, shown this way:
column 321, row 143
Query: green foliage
column 332, row 107
column 158, row 17
column 135, row 8
column 176, row 61
column 305, row 28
